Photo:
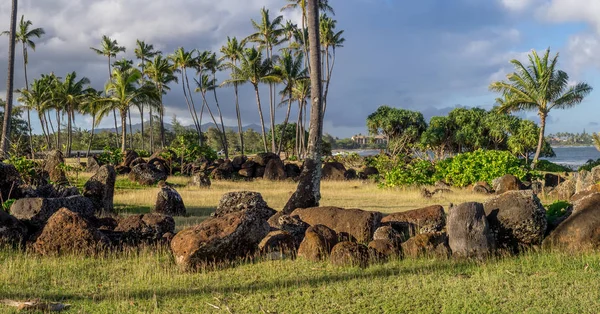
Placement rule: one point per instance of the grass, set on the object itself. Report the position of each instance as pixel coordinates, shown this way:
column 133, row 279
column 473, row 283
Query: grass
column 148, row 281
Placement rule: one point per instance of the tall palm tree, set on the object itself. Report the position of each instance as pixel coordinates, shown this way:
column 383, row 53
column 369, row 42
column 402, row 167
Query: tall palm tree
column 160, row 72
column 182, row 60
column 10, row 82
column 204, row 84
column 541, row 87
column 124, row 65
column 70, row 95
column 300, row 92
column 24, row 35
column 268, row 35
column 109, row 48
column 93, row 107
column 255, row 70
column 292, row 71
column 596, row 138
column 123, row 92
column 213, row 66
column 38, row 98
column 232, row 52
column 145, row 52
column 329, row 39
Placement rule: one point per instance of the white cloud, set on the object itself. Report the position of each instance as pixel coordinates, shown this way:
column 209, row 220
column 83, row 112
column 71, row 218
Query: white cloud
column 517, row 5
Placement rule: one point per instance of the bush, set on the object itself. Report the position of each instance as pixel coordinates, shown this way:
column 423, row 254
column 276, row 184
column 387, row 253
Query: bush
column 547, row 166
column 143, row 153
column 556, row 210
column 25, row 167
column 590, row 164
column 110, row 156
column 416, row 172
column 480, row 165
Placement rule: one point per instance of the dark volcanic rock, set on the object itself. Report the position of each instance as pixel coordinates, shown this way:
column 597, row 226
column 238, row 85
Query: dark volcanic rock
column 39, row 210
column 147, row 229
column 333, row 171
column 12, row 231
column 10, row 180
column 468, row 231
column 422, row 220
column 52, row 166
column 349, row 254
column 100, row 189
column 244, row 201
column 274, row 170
column 146, row 174
column 168, row 201
column 507, row 183
column 427, row 244
column 579, row 232
column 262, row 159
column 318, row 242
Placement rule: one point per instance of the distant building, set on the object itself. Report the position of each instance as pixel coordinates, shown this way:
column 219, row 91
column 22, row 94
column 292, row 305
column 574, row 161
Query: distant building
column 368, row 139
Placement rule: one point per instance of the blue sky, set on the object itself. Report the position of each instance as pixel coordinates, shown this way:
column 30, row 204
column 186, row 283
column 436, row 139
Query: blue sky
column 426, row 55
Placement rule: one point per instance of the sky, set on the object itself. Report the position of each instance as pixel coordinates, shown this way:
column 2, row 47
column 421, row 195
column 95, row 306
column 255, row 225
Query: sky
column 425, row 55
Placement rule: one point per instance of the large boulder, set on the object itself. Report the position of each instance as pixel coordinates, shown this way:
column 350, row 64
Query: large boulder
column 291, row 224
column 349, row 254
column 388, row 233
column 248, row 169
column 219, row 239
column 243, row 201
column 586, row 201
column 427, row 244
column 318, row 242
column 168, row 201
column 292, row 170
column 277, row 244
column 468, row 231
column 68, row 232
column 238, row 161
column 356, row 222
column 584, row 180
column 367, row 172
column 262, row 159
column 507, row 183
column 201, row 180
column 10, row 182
column 146, row 174
column 55, row 191
column 482, row 188
column 128, row 157
column 333, row 171
column 564, row 190
column 12, row 231
column 93, row 164
column 147, row 229
column 38, row 210
column 422, row 220
column 274, row 170
column 579, row 232
column 52, row 166
column 381, row 250
column 552, row 180
column 100, row 189
column 517, row 219
column 224, row 171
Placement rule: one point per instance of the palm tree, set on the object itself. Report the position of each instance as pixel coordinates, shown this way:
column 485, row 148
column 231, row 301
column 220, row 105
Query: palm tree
column 124, row 65
column 38, row 98
column 24, row 35
column 144, row 52
column 160, row 72
column 213, row 66
column 123, row 92
column 10, row 83
column 232, row 52
column 539, row 86
column 70, row 95
column 596, row 138
column 300, row 93
column 181, row 61
column 109, row 48
column 268, row 35
column 93, row 107
column 292, row 71
column 205, row 84
column 255, row 70
column 329, row 39
column 308, row 192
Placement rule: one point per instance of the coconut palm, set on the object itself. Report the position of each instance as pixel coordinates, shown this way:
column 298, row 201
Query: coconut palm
column 204, row 84
column 268, row 34
column 109, row 48
column 145, row 52
column 93, row 107
column 541, row 87
column 255, row 70
column 596, row 138
column 11, row 80
column 300, row 92
column 25, row 35
column 291, row 71
column 232, row 52
column 123, row 92
column 213, row 66
column 182, row 60
column 329, row 39
column 38, row 98
column 70, row 94
column 160, row 72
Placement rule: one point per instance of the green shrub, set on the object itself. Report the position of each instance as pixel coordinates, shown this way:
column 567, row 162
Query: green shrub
column 110, row 156
column 480, row 165
column 143, row 153
column 547, row 166
column 25, row 167
column 556, row 210
column 590, row 164
column 416, row 172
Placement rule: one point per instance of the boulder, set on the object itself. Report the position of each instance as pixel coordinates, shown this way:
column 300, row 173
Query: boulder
column 564, row 190
column 517, row 219
column 482, row 188
column 120, row 169
column 259, row 172
column 552, row 180
column 333, row 171
column 427, row 244
column 274, row 170
column 38, row 210
column 388, row 233
column 93, row 164
column 356, row 222
column 168, row 201
column 201, row 180
column 248, row 169
column 384, row 249
column 292, row 170
column 586, row 201
column 277, row 244
column 583, row 181
column 469, row 232
column 579, row 232
column 291, row 224
column 350, row 174
column 10, row 181
column 128, row 157
column 262, row 159
column 136, row 162
column 146, row 229
column 318, row 242
column 223, row 172
column 238, row 161
column 507, row 183
column 52, row 166
column 368, row 172
column 100, row 189
column 13, row 233
column 422, row 220
column 146, row 174
column 244, row 201
column 55, row 191
column 349, row 254
column 219, row 239
column 67, row 232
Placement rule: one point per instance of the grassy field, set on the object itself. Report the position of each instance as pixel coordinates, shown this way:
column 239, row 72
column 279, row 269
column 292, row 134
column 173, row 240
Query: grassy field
column 149, row 282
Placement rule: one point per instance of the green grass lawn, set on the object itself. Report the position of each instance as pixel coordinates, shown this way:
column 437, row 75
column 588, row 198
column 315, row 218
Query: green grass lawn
column 149, row 282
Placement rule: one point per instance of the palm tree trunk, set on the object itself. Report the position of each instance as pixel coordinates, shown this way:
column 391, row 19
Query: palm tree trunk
column 28, row 110
column 262, row 120
column 239, row 117
column 116, row 127
column 189, row 104
column 272, row 106
column 285, row 122
column 69, row 132
column 49, row 119
column 198, row 121
column 10, row 83
column 58, row 130
column 162, row 120
column 225, row 144
column 123, row 130
column 142, row 118
column 538, row 151
column 91, row 136
column 327, row 80
column 46, row 137
column 222, row 137
column 130, row 130
column 152, row 130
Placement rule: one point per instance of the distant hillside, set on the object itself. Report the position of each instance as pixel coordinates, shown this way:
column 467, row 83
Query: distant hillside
column 138, row 127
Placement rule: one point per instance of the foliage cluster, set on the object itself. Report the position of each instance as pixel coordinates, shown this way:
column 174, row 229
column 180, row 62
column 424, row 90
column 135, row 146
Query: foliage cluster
column 25, row 167
column 110, row 156
column 556, row 210
column 548, row 166
column 590, row 164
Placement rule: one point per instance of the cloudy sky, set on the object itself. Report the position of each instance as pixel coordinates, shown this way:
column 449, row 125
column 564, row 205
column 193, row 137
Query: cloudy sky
column 426, row 55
